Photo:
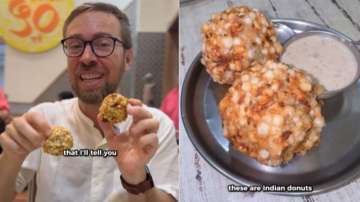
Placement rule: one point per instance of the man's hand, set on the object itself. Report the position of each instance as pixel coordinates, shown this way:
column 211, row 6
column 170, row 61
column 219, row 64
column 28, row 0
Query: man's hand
column 136, row 146
column 24, row 134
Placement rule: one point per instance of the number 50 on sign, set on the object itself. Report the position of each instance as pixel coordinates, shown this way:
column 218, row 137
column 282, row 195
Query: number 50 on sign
column 33, row 25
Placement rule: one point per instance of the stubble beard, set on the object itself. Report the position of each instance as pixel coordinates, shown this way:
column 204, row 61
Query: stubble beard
column 97, row 95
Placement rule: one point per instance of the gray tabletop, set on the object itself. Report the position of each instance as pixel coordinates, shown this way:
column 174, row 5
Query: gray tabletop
column 201, row 182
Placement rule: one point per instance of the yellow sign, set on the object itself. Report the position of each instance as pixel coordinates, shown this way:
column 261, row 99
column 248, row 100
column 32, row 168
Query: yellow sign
column 33, row 25
column 1, row 22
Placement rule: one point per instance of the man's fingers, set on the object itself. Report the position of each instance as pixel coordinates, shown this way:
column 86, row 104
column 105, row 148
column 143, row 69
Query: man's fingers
column 27, row 132
column 38, row 122
column 149, row 142
column 134, row 102
column 138, row 113
column 18, row 138
column 106, row 127
column 144, row 126
column 9, row 145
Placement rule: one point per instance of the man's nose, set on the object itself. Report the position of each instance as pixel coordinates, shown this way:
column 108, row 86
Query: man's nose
column 88, row 55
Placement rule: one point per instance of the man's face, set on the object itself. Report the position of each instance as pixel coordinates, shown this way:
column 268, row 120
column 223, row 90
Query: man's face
column 92, row 77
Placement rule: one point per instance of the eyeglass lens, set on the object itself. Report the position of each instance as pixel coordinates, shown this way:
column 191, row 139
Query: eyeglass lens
column 102, row 46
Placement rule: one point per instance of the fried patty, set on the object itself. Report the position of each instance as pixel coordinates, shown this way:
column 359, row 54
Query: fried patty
column 271, row 113
column 59, row 140
column 113, row 108
column 236, row 38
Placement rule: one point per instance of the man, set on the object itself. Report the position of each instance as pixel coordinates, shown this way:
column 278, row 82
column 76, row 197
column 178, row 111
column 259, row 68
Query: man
column 98, row 46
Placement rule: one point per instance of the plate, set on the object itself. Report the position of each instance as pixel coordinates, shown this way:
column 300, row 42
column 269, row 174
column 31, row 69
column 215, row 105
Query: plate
column 333, row 164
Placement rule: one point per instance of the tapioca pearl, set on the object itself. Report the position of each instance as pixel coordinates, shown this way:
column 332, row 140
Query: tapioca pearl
column 255, row 80
column 263, row 129
column 269, row 74
column 227, row 42
column 248, row 21
column 228, row 75
column 277, row 120
column 235, row 97
column 245, row 78
column 305, row 86
column 264, row 51
column 252, row 15
column 319, row 122
column 258, row 40
column 236, row 41
column 264, row 154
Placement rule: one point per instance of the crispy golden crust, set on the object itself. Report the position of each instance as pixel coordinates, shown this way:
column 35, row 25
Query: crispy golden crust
column 236, row 38
column 271, row 113
column 59, row 140
column 113, row 108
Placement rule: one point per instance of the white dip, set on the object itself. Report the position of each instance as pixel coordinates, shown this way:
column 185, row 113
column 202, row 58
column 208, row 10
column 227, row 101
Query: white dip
column 328, row 60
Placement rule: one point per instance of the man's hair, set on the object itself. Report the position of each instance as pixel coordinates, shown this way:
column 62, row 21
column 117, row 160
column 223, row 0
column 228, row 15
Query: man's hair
column 106, row 8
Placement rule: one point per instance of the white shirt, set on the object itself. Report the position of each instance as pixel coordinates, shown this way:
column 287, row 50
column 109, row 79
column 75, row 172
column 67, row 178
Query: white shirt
column 93, row 179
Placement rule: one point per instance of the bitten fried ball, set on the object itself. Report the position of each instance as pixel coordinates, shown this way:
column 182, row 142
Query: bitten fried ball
column 234, row 39
column 271, row 113
column 113, row 108
column 59, row 140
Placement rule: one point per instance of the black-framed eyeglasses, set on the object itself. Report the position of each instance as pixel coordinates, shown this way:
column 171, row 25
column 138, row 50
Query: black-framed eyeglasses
column 101, row 46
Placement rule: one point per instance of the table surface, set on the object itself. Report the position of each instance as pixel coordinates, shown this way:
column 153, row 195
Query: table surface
column 198, row 180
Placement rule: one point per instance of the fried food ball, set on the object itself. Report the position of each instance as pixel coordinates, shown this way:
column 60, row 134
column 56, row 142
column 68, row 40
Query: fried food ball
column 59, row 140
column 234, row 39
column 113, row 108
column 271, row 113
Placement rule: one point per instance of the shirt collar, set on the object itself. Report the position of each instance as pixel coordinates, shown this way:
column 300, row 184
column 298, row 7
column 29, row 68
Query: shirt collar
column 90, row 124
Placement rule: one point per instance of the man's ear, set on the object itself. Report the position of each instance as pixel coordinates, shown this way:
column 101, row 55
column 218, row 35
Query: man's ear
column 128, row 59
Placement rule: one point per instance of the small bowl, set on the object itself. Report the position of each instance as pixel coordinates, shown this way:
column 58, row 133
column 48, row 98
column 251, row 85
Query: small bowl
column 283, row 32
column 340, row 38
